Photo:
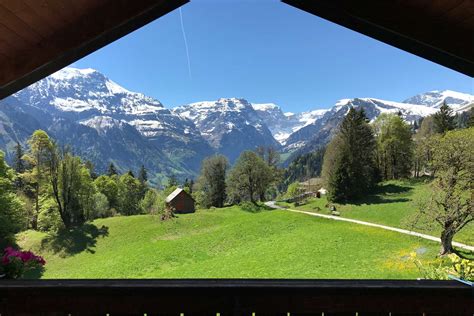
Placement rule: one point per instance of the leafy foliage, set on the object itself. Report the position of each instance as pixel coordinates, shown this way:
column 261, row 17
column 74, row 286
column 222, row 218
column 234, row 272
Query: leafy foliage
column 394, row 146
column 451, row 204
column 249, row 178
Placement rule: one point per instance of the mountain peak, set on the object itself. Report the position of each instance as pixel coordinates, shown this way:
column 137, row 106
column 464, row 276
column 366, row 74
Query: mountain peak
column 265, row 106
column 436, row 98
column 71, row 72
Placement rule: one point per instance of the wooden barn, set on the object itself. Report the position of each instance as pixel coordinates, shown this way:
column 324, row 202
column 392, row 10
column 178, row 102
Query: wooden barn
column 180, row 202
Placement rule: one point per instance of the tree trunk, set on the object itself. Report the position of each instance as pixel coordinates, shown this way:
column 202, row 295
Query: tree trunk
column 446, row 243
column 34, row 220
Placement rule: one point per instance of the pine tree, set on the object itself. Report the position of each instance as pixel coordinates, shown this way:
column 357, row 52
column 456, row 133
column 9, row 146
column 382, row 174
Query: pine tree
column 130, row 173
column 211, row 182
column 172, row 181
column 444, row 119
column 191, row 186
column 19, row 166
column 90, row 166
column 470, row 122
column 349, row 166
column 142, row 175
column 18, row 163
column 112, row 170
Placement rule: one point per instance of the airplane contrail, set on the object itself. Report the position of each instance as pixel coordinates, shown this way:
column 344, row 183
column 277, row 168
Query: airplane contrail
column 185, row 44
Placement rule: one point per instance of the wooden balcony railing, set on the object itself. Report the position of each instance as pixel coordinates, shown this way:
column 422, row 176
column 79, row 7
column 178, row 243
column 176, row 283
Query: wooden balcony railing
column 234, row 297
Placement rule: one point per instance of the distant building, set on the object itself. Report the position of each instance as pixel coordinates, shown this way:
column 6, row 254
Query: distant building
column 180, row 202
column 323, row 191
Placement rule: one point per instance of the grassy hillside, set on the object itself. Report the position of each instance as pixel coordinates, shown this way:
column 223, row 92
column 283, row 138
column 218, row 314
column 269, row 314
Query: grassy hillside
column 394, row 204
column 227, row 243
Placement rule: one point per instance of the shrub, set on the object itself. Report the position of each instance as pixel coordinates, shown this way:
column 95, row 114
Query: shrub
column 444, row 266
column 15, row 263
column 249, row 207
column 153, row 202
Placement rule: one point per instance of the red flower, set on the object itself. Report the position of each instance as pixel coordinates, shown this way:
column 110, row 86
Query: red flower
column 24, row 256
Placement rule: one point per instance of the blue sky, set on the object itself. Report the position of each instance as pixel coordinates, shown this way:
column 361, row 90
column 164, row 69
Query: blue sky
column 264, row 51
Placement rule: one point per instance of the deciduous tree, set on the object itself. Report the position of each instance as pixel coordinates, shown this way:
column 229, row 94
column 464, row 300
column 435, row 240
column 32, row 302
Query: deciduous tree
column 451, row 202
column 248, row 178
column 394, row 146
column 38, row 156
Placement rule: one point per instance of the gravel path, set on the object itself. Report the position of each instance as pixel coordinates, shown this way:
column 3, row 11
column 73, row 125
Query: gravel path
column 273, row 204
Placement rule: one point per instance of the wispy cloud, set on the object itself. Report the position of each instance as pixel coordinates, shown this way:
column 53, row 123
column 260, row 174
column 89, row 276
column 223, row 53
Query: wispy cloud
column 185, row 44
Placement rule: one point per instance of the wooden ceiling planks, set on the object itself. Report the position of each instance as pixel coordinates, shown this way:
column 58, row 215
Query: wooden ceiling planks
column 39, row 37
column 439, row 30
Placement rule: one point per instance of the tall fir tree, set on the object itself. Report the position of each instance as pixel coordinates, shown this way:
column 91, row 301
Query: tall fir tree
column 444, row 119
column 112, row 170
column 172, row 181
column 18, row 162
column 211, row 182
column 19, row 166
column 142, row 175
column 470, row 122
column 350, row 161
column 143, row 178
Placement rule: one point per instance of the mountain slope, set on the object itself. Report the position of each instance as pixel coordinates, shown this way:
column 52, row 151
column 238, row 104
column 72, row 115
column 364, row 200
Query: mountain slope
column 106, row 123
column 282, row 125
column 230, row 125
column 434, row 99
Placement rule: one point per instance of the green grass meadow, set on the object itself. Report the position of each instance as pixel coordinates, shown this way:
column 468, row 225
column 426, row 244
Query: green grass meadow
column 394, row 204
column 227, row 243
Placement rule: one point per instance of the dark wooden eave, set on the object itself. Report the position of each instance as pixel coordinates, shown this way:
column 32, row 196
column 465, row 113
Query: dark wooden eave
column 234, row 297
column 441, row 31
column 39, row 37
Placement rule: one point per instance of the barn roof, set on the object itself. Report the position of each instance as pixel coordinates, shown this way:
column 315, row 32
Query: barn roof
column 173, row 195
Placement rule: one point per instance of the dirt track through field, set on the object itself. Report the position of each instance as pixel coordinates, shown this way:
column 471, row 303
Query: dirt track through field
column 273, row 204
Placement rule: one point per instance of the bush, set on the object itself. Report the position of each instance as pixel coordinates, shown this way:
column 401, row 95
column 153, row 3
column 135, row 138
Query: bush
column 249, row 207
column 15, row 263
column 153, row 202
column 444, row 266
column 293, row 190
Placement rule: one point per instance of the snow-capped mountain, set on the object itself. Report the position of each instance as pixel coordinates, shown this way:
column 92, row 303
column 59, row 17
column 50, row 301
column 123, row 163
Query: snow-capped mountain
column 88, row 92
column 434, row 99
column 105, row 122
column 230, row 125
column 88, row 98
column 320, row 132
column 282, row 125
